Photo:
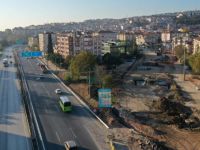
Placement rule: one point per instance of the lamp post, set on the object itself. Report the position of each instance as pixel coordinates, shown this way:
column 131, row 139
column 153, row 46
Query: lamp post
column 184, row 65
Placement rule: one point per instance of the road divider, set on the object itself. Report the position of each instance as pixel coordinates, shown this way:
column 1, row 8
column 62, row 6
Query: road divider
column 37, row 139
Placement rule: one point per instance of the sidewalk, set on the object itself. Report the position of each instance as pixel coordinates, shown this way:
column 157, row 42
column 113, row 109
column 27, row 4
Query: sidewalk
column 188, row 87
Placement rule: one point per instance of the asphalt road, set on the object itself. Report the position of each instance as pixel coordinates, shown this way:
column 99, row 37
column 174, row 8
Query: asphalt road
column 57, row 127
column 14, row 130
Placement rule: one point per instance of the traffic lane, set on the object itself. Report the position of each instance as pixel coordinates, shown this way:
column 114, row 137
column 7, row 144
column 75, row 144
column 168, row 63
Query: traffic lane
column 51, row 117
column 13, row 127
column 48, row 108
column 76, row 118
column 51, row 106
column 92, row 126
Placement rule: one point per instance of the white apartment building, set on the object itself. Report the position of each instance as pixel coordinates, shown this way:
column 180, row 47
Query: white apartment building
column 196, row 45
column 32, row 41
column 125, row 36
column 140, row 40
column 165, row 36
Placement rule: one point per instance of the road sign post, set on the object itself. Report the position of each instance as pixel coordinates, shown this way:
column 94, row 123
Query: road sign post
column 104, row 98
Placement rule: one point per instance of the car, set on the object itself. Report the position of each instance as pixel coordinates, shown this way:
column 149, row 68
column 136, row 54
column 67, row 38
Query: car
column 38, row 78
column 41, row 77
column 58, row 91
column 70, row 145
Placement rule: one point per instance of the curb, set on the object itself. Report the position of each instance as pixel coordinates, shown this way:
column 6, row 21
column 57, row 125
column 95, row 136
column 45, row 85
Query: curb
column 77, row 97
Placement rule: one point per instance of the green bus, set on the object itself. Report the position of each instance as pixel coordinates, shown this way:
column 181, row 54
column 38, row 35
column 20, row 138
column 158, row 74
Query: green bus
column 65, row 104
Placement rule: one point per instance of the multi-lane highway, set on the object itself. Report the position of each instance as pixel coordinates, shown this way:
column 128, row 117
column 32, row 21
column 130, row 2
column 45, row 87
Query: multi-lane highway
column 56, row 126
column 14, row 130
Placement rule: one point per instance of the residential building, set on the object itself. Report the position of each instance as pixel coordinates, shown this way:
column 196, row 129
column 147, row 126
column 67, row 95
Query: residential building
column 125, row 36
column 140, row 39
column 184, row 40
column 151, row 38
column 33, row 41
column 104, row 36
column 64, row 44
column 114, row 47
column 47, row 42
column 196, row 45
column 165, row 36
column 86, row 41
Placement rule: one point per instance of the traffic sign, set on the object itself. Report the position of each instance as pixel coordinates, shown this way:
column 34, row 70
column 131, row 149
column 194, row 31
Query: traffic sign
column 104, row 98
column 31, row 54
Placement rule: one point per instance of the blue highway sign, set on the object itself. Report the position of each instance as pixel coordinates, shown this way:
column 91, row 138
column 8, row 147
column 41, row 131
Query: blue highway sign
column 31, row 54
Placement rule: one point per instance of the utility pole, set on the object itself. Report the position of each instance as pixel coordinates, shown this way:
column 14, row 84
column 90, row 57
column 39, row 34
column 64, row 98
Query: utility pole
column 184, row 66
column 56, row 63
column 89, row 83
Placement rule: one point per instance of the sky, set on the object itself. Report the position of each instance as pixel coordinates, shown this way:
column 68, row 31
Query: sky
column 20, row 13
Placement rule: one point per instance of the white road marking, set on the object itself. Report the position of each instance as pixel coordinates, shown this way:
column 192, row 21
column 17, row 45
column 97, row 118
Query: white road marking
column 74, row 135
column 58, row 137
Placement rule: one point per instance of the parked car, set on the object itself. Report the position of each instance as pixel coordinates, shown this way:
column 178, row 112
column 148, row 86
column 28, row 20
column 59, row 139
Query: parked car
column 70, row 145
column 58, row 91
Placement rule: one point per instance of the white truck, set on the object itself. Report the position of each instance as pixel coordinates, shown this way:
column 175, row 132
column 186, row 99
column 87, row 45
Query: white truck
column 5, row 62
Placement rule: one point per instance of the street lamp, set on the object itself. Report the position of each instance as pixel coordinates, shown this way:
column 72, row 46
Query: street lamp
column 184, row 65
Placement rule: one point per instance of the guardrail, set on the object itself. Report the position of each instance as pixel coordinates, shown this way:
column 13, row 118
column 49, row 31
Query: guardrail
column 37, row 140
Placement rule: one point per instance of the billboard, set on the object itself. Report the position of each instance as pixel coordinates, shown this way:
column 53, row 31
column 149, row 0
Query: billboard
column 104, row 98
column 31, row 54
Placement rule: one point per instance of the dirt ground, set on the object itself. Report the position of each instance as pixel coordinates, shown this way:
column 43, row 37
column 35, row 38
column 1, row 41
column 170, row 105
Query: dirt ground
column 140, row 100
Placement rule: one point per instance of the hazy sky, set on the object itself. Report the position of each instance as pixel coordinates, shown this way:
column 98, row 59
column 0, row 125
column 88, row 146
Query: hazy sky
column 14, row 13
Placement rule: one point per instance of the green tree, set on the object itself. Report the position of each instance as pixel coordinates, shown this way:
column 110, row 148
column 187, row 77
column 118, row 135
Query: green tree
column 111, row 60
column 84, row 61
column 179, row 51
column 194, row 62
column 107, row 81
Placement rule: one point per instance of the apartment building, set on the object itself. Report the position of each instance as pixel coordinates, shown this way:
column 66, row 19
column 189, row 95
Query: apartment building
column 33, row 41
column 104, row 36
column 64, row 44
column 140, row 39
column 75, row 42
column 125, row 36
column 196, row 45
column 165, row 36
column 181, row 39
column 47, row 42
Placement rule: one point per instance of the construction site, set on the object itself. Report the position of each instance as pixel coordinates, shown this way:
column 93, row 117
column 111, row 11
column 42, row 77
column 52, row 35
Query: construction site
column 153, row 108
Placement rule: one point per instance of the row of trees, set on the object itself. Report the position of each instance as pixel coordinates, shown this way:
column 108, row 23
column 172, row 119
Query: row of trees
column 191, row 60
column 58, row 60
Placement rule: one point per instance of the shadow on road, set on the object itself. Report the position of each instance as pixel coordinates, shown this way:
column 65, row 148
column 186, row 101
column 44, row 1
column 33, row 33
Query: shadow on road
column 14, row 141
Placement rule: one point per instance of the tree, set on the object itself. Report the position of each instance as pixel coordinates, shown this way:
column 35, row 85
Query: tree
column 107, row 81
column 194, row 62
column 179, row 51
column 110, row 60
column 83, row 62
